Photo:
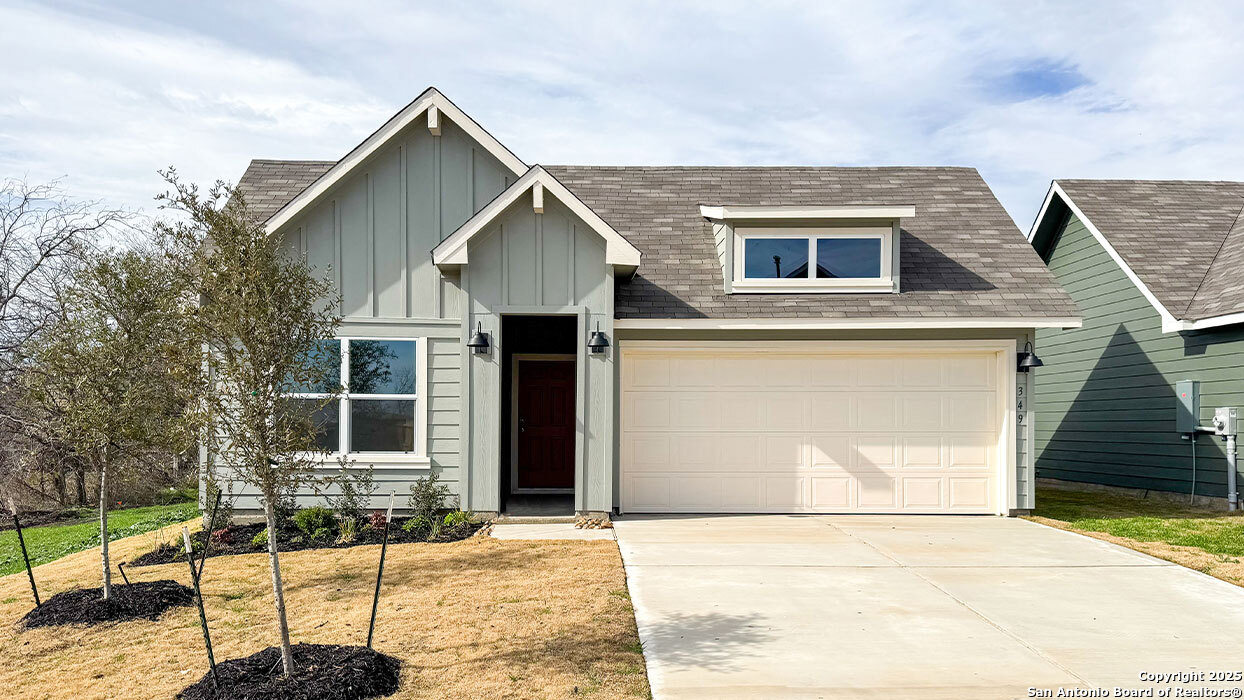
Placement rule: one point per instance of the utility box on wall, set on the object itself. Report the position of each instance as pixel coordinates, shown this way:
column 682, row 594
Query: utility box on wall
column 1187, row 406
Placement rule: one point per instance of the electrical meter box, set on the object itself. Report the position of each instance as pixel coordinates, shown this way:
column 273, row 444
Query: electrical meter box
column 1187, row 406
column 1225, row 420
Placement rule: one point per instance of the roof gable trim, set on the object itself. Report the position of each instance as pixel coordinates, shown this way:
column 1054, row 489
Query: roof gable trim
column 431, row 102
column 454, row 249
column 1169, row 322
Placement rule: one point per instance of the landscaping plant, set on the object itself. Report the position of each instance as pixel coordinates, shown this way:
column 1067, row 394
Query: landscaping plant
column 261, row 317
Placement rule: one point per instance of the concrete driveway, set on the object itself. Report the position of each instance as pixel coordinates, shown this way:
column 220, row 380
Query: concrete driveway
column 913, row 607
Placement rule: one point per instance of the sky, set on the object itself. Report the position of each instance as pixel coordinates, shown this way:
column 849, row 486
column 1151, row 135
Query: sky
column 102, row 95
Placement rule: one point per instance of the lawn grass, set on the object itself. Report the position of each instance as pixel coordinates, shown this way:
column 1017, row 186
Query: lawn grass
column 480, row 618
column 51, row 542
column 1211, row 541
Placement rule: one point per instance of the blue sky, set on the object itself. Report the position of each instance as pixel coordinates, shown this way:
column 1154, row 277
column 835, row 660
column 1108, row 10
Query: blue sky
column 104, row 95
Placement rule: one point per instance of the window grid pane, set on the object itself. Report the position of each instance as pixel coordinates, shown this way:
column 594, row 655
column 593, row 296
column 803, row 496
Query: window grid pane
column 848, row 258
column 775, row 258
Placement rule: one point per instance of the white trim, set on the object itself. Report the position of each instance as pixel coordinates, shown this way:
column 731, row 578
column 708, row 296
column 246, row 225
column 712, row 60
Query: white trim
column 537, row 198
column 454, row 250
column 812, row 284
column 802, row 212
column 1211, row 322
column 434, row 120
column 1169, row 323
column 537, row 357
column 838, row 323
column 416, row 458
column 429, row 100
column 1004, row 350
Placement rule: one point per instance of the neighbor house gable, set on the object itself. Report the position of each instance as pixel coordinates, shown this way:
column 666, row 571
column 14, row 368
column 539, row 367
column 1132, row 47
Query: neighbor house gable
column 1178, row 241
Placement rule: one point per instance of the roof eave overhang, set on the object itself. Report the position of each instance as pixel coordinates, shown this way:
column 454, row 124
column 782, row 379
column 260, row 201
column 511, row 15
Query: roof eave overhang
column 454, row 251
column 743, row 213
column 432, row 104
column 844, row 323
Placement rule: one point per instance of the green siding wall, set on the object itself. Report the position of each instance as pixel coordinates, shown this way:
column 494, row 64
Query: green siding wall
column 1105, row 400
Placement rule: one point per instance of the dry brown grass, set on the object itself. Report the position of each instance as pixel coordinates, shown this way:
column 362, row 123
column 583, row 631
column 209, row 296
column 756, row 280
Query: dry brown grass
column 474, row 619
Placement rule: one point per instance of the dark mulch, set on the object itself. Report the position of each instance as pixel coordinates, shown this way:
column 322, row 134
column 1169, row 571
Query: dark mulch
column 86, row 606
column 240, row 537
column 321, row 671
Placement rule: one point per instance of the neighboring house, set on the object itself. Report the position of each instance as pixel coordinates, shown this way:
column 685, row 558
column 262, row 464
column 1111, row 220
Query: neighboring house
column 1155, row 267
column 670, row 339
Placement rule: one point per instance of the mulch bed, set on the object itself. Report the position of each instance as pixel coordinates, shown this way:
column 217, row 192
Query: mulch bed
column 86, row 606
column 240, row 537
column 321, row 671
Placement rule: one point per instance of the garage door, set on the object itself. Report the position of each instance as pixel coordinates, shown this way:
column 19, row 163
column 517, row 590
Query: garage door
column 788, row 427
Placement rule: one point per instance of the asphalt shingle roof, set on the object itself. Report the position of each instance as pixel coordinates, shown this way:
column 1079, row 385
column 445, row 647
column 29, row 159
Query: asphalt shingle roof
column 268, row 185
column 962, row 255
column 1183, row 238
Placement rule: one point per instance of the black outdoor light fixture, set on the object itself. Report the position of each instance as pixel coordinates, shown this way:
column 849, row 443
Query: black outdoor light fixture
column 479, row 341
column 1027, row 359
column 599, row 341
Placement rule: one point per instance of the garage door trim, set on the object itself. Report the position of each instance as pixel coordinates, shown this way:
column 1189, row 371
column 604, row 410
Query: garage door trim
column 1004, row 366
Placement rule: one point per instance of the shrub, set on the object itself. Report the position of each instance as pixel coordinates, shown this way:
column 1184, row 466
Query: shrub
column 458, row 518
column 355, row 488
column 321, row 534
column 223, row 537
column 311, row 520
column 347, row 530
column 427, row 497
column 377, row 520
column 419, row 523
column 260, row 539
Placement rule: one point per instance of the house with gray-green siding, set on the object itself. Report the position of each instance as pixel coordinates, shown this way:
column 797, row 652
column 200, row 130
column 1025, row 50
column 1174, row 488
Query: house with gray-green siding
column 1155, row 269
column 593, row 340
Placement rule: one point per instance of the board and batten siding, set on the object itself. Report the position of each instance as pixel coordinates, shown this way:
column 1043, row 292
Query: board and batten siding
column 1106, row 400
column 527, row 263
column 372, row 235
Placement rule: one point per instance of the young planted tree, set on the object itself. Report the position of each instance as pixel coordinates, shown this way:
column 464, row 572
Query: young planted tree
column 110, row 376
column 262, row 316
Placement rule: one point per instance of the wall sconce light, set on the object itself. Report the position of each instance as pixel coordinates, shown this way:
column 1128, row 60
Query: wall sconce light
column 1027, row 359
column 598, row 342
column 479, row 342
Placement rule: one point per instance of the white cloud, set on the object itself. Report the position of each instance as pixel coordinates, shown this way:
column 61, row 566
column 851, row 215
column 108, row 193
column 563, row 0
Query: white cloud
column 107, row 96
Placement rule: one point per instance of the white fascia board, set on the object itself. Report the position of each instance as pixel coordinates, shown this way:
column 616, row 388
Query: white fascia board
column 1170, row 324
column 431, row 98
column 731, row 213
column 1049, row 197
column 454, row 249
column 839, row 323
column 1212, row 322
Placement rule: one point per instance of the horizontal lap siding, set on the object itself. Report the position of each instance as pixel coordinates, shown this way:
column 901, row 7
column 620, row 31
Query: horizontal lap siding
column 1106, row 400
column 443, row 404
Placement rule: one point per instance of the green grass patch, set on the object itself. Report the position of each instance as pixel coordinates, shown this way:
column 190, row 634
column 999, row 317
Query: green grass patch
column 51, row 542
column 1144, row 520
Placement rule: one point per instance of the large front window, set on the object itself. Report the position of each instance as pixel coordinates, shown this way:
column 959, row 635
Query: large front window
column 812, row 259
column 379, row 406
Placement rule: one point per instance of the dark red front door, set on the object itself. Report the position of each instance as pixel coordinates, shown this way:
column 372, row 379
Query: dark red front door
column 546, row 424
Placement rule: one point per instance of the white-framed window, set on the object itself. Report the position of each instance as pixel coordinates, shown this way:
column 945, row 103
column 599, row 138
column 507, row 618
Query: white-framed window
column 380, row 415
column 838, row 259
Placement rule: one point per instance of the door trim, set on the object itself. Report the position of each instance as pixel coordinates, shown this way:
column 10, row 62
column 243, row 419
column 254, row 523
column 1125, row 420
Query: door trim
column 1003, row 349
column 514, row 360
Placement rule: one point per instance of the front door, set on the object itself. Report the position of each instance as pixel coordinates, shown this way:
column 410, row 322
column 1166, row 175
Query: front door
column 545, row 420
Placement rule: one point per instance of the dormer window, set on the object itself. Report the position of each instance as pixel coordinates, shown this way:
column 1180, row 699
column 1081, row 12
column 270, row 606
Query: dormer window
column 791, row 250
column 812, row 259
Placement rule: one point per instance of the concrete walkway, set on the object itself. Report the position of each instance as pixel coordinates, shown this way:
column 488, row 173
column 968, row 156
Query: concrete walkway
column 912, row 607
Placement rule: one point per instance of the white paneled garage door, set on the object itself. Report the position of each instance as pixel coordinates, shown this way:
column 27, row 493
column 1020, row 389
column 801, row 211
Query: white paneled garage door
column 812, row 427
